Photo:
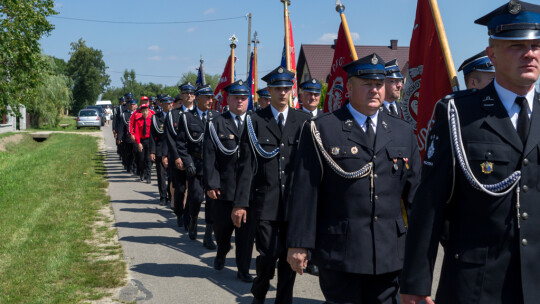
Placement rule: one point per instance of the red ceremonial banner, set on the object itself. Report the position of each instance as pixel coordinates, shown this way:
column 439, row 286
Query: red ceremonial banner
column 337, row 83
column 220, row 99
column 427, row 79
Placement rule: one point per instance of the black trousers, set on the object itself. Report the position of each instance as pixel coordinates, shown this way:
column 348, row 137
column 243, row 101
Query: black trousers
column 270, row 241
column 161, row 178
column 178, row 179
column 343, row 287
column 196, row 197
column 243, row 239
column 144, row 163
column 127, row 155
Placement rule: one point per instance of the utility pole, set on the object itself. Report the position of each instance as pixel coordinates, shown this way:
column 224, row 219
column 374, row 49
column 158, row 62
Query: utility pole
column 249, row 45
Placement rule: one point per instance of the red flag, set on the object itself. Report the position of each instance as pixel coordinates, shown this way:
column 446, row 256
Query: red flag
column 293, row 64
column 220, row 99
column 337, row 84
column 427, row 79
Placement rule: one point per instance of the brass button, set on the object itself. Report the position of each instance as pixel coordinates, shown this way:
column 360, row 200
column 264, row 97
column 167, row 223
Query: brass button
column 376, row 218
column 376, row 197
column 524, row 242
column 525, row 188
column 525, row 161
column 525, row 216
column 456, row 256
column 375, row 176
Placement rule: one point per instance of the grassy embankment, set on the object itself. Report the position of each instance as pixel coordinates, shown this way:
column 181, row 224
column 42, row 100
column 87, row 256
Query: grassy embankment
column 51, row 250
column 71, row 123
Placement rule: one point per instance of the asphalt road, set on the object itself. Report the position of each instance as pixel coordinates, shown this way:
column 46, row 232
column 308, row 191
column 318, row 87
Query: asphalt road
column 165, row 266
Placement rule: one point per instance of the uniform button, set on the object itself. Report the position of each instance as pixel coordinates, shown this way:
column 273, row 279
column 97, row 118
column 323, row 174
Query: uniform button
column 456, row 256
column 283, row 172
column 525, row 215
column 375, row 176
column 374, row 156
column 283, row 158
column 524, row 242
column 525, row 188
column 376, row 197
column 488, row 154
column 376, row 218
column 282, row 144
column 525, row 162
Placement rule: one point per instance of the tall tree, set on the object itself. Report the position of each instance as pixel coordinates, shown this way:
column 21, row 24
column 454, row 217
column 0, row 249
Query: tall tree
column 212, row 80
column 87, row 70
column 22, row 24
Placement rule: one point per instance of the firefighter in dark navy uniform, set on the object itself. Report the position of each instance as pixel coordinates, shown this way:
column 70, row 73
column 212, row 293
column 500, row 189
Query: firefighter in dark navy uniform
column 478, row 71
column 176, row 169
column 354, row 167
column 125, row 136
column 158, row 146
column 393, row 85
column 220, row 162
column 267, row 150
column 480, row 184
column 264, row 98
column 189, row 144
column 310, row 96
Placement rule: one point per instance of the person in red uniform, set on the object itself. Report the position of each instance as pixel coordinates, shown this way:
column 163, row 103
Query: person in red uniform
column 142, row 140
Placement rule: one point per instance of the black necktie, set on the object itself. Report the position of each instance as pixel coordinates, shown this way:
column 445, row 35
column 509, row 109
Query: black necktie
column 523, row 122
column 280, row 122
column 239, row 123
column 393, row 110
column 369, row 132
column 204, row 118
column 144, row 128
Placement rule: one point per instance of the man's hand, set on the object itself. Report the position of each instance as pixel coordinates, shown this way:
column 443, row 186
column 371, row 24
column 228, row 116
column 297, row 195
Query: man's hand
column 133, row 138
column 191, row 171
column 140, row 147
column 238, row 216
column 297, row 258
column 213, row 194
column 414, row 299
column 119, row 141
column 152, row 157
column 179, row 164
column 165, row 162
column 115, row 134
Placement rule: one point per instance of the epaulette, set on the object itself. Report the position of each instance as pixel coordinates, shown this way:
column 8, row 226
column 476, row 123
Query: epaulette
column 460, row 94
column 302, row 111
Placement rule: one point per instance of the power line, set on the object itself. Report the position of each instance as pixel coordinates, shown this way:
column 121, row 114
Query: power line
column 147, row 23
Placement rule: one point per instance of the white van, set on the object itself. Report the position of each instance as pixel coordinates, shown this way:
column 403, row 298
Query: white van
column 104, row 103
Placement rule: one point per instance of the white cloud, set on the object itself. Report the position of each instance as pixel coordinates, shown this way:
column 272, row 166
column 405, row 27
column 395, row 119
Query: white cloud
column 154, row 48
column 190, row 30
column 327, row 38
column 209, row 11
column 58, row 5
column 154, row 58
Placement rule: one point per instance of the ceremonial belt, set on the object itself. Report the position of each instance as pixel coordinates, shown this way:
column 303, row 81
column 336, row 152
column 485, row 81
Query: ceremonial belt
column 458, row 151
column 154, row 121
column 195, row 141
column 217, row 142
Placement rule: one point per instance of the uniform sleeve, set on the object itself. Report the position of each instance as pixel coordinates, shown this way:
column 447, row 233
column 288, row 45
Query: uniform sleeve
column 302, row 201
column 211, row 175
column 181, row 141
column 413, row 176
column 120, row 127
column 428, row 210
column 132, row 122
column 170, row 138
column 138, row 125
column 244, row 175
column 153, row 136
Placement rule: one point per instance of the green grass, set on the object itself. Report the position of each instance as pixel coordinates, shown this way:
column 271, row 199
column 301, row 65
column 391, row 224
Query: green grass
column 6, row 134
column 68, row 120
column 49, row 250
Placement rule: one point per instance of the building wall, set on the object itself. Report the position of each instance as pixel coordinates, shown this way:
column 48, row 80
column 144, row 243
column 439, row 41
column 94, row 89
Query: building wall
column 10, row 124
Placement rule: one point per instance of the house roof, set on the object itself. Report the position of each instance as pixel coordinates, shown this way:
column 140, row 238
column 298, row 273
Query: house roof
column 318, row 57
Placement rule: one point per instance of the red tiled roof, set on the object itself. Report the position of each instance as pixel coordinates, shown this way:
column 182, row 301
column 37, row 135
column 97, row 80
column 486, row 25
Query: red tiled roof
column 318, row 57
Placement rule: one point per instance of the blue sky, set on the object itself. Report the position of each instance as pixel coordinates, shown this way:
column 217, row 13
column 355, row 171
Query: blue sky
column 173, row 49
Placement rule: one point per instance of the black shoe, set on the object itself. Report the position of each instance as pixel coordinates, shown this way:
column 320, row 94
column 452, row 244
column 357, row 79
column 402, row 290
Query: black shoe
column 162, row 202
column 192, row 229
column 219, row 263
column 180, row 221
column 208, row 242
column 312, row 268
column 148, row 181
column 257, row 301
column 186, row 221
column 245, row 277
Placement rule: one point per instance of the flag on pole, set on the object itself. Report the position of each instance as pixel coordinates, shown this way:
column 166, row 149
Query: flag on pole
column 337, row 83
column 427, row 79
column 293, row 64
column 200, row 76
column 219, row 93
column 251, row 82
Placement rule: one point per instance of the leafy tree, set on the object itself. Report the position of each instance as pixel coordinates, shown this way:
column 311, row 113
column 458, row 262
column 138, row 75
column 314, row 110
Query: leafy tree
column 128, row 81
column 87, row 70
column 212, row 80
column 22, row 24
column 53, row 96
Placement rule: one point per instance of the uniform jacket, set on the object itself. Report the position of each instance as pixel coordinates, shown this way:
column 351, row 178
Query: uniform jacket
column 118, row 118
column 398, row 109
column 336, row 217
column 487, row 258
column 158, row 144
column 189, row 151
column 123, row 127
column 270, row 184
column 171, row 130
column 220, row 169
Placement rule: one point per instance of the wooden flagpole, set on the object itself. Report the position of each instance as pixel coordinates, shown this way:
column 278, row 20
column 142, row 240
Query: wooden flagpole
column 444, row 45
column 233, row 46
column 340, row 8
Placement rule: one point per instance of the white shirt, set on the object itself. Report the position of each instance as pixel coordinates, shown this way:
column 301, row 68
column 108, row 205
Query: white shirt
column 276, row 113
column 313, row 113
column 361, row 118
column 241, row 117
column 186, row 109
column 508, row 99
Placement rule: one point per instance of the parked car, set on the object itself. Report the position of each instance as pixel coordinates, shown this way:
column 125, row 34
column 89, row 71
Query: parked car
column 88, row 118
column 101, row 113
